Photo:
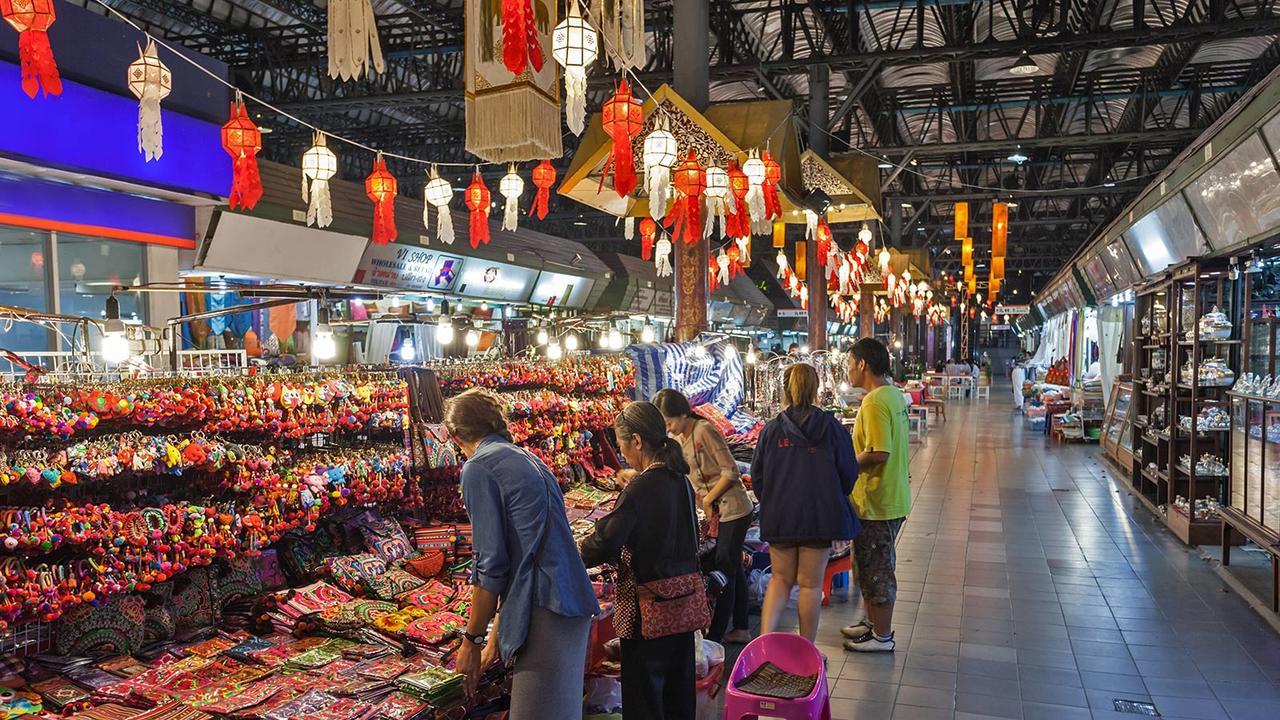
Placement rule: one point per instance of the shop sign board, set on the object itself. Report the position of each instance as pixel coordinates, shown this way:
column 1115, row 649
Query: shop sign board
column 490, row 280
column 561, row 290
column 792, row 313
column 1013, row 309
column 664, row 303
column 642, row 301
column 402, row 267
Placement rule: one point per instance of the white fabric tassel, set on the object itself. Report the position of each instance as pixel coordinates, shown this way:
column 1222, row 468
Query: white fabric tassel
column 444, row 226
column 575, row 99
column 810, row 225
column 662, row 256
column 150, row 130
column 757, row 210
column 743, row 247
column 844, row 279
column 629, row 228
column 722, row 263
column 320, row 210
column 717, row 209
column 659, row 178
column 426, row 211
column 782, row 263
column 511, row 213
column 354, row 48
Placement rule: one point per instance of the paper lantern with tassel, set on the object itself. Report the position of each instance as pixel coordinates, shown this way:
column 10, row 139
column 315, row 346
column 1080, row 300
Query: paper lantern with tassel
column 438, row 193
column 801, row 263
column 520, row 48
column 966, row 251
column 662, row 256
column 354, row 48
column 721, row 262
column 999, row 228
column 511, row 186
column 243, row 141
column 884, row 259
column 574, row 45
column 478, row 200
column 648, row 231
column 772, row 179
column 32, row 18
column 381, row 187
column 319, row 165
column 961, row 229
column 779, row 234
column 622, row 117
column 150, row 81
column 783, row 267
column 658, row 158
column 544, row 176
column 739, row 215
column 717, row 194
column 862, row 248
column 757, row 208
column 685, row 220
column 825, row 242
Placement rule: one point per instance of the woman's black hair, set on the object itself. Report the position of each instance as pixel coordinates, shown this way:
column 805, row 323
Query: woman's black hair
column 644, row 419
column 672, row 403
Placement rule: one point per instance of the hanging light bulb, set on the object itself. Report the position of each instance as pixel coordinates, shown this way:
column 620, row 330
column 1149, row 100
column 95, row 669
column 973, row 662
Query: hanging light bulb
column 395, row 302
column 408, row 353
column 472, row 338
column 647, row 334
column 323, row 346
column 603, row 342
column 115, row 343
column 554, row 352
column 444, row 330
column 571, row 342
column 615, row 339
column 431, row 306
column 751, row 355
column 542, row 336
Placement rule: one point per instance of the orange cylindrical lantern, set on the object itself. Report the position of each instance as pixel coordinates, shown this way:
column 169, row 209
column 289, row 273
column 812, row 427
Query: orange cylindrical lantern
column 999, row 229
column 801, row 263
column 997, row 267
column 381, row 188
column 962, row 220
column 973, row 285
column 779, row 234
column 544, row 176
column 32, row 18
column 622, row 117
column 966, row 252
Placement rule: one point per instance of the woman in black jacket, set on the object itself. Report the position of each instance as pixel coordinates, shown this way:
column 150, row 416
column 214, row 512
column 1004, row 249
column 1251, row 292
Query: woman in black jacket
column 802, row 473
column 652, row 531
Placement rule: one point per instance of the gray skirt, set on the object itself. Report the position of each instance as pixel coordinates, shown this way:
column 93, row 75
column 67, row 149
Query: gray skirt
column 547, row 682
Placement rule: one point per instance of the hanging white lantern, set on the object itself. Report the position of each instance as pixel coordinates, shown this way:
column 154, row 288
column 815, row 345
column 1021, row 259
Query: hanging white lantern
column 541, row 338
column 782, row 263
column 511, row 186
column 884, row 260
column 755, row 171
column 662, row 256
column 659, row 157
column 717, row 194
column 574, row 45
column 353, row 40
column 438, row 193
column 722, row 268
column 150, row 81
column 319, row 165
column 864, row 234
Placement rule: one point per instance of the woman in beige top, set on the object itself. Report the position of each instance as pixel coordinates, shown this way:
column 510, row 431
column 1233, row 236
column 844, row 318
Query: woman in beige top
column 715, row 478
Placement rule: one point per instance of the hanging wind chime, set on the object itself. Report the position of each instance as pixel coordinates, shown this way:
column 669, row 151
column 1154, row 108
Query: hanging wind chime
column 574, row 45
column 648, row 230
column 622, row 118
column 150, row 81
column 243, row 141
column 520, row 48
column 478, row 200
column 544, row 176
column 354, row 48
column 319, row 164
column 381, row 187
column 685, row 218
column 717, row 193
column 662, row 256
column 658, row 158
column 511, row 186
column 438, row 193
column 32, row 18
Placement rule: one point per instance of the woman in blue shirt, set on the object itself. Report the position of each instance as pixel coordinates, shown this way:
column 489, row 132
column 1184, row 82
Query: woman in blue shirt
column 526, row 561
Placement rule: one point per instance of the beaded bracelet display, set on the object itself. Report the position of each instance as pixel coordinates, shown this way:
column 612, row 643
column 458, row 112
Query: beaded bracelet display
column 578, row 376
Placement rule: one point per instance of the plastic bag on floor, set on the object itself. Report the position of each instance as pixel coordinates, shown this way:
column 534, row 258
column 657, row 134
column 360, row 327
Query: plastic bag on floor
column 757, row 583
column 700, row 664
column 714, row 654
column 604, row 695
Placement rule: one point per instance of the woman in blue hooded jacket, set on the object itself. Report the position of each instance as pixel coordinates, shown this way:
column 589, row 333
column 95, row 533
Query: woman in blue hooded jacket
column 802, row 473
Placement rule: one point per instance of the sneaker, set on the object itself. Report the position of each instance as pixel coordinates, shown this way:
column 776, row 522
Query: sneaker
column 858, row 631
column 871, row 643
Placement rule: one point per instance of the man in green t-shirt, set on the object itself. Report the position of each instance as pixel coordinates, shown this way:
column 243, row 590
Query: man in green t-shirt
column 882, row 495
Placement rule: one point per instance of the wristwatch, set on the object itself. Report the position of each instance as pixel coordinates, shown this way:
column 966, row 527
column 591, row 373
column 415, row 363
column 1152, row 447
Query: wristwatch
column 477, row 640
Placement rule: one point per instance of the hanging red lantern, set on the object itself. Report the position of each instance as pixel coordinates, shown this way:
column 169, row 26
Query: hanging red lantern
column 32, row 18
column 735, row 260
column 381, row 187
column 520, row 46
column 622, row 117
column 648, row 231
column 544, row 176
column 713, row 273
column 478, row 201
column 824, row 242
column 685, row 216
column 739, row 219
column 772, row 179
column 243, row 141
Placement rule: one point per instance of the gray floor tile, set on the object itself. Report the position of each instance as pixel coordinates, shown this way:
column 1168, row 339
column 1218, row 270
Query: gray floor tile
column 1198, row 708
column 1043, row 711
column 1002, row 707
column 864, row 690
column 1053, row 694
column 926, row 697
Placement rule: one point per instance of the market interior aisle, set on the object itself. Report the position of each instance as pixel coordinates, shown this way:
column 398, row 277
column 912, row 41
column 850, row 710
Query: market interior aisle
column 1030, row 588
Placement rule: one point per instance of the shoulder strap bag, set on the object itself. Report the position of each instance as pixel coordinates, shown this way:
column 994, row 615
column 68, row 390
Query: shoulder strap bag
column 674, row 605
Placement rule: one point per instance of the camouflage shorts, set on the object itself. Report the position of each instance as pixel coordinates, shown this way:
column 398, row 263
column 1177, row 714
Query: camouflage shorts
column 875, row 555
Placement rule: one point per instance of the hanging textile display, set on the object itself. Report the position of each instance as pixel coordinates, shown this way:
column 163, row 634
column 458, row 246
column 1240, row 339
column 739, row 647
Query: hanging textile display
column 511, row 186
column 354, row 48
column 381, row 187
column 150, row 81
column 438, row 193
column 319, row 164
column 648, row 230
column 478, row 201
column 772, row 178
column 717, row 194
column 243, row 141
column 757, row 208
column 622, row 117
column 739, row 216
column 510, row 117
column 574, row 46
column 662, row 256
column 544, row 176
column 520, row 46
column 622, row 24
column 685, row 220
column 628, row 228
column 658, row 158
column 32, row 18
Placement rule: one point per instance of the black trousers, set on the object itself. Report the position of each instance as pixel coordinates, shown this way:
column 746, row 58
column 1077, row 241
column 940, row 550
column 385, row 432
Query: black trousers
column 732, row 602
column 658, row 680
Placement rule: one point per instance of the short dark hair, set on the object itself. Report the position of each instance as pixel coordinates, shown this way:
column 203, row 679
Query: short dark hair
column 672, row 403
column 873, row 353
column 644, row 419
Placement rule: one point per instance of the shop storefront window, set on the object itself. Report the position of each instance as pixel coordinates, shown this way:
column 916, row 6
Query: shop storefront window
column 88, row 267
column 23, row 285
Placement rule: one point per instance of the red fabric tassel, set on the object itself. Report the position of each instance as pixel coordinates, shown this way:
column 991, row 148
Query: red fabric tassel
column 520, row 46
column 685, row 216
column 246, row 183
column 242, row 140
column 824, row 242
column 648, row 231
column 772, row 178
column 713, row 270
column 738, row 223
column 544, row 176
column 39, row 70
column 479, row 201
column 381, row 188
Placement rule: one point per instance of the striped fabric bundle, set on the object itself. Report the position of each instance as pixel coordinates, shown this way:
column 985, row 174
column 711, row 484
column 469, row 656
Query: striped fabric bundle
column 706, row 371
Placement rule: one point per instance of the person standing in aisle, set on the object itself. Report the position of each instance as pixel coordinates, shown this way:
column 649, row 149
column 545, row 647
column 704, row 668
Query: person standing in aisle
column 652, row 535
column 882, row 496
column 802, row 473
column 714, row 475
column 525, row 559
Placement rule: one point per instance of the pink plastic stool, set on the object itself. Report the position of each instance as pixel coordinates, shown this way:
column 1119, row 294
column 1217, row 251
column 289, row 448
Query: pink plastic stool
column 795, row 655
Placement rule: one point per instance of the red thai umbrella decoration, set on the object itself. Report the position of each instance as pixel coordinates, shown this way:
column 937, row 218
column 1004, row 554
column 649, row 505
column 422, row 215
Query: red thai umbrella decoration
column 685, row 217
column 32, row 18
column 824, row 242
column 739, row 217
column 772, row 178
column 478, row 200
column 622, row 117
column 544, row 176
column 381, row 187
column 520, row 46
column 243, row 141
column 648, row 231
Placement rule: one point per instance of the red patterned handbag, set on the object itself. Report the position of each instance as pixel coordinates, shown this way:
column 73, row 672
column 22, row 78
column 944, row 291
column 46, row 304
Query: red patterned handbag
column 669, row 606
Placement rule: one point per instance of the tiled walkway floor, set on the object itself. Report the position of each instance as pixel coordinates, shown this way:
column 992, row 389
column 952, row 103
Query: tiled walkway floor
column 1030, row 586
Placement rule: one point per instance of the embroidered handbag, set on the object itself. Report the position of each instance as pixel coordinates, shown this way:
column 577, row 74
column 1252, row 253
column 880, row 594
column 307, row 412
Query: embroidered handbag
column 427, row 565
column 386, row 538
column 669, row 606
